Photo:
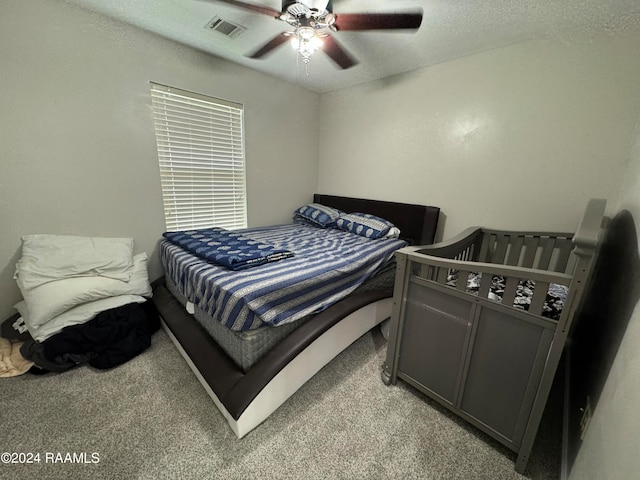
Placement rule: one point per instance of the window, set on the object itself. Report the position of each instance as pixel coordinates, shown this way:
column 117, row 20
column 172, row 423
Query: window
column 201, row 156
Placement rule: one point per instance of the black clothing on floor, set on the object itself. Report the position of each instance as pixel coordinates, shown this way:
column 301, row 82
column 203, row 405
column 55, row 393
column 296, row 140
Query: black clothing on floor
column 108, row 340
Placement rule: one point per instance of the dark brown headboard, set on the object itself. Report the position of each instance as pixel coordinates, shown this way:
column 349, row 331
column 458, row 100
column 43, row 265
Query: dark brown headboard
column 417, row 223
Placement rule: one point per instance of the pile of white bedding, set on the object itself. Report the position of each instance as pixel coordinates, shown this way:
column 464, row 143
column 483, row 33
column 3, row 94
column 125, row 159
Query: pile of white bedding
column 67, row 280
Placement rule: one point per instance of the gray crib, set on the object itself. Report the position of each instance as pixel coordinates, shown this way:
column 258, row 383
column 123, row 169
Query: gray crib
column 479, row 322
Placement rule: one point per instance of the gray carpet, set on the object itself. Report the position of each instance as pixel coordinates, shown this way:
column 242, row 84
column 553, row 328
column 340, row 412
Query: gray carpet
column 151, row 419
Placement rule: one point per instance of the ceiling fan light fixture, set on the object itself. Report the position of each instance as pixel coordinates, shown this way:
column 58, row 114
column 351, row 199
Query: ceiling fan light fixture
column 306, row 33
column 306, row 42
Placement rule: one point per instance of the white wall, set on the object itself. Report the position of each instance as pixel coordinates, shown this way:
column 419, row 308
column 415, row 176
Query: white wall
column 519, row 137
column 77, row 146
column 612, row 444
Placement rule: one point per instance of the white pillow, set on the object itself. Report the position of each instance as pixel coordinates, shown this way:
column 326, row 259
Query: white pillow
column 54, row 298
column 47, row 258
column 394, row 232
column 75, row 316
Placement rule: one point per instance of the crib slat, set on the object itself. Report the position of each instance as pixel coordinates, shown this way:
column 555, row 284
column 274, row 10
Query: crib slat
column 539, row 296
column 463, row 277
column 531, row 247
column 547, row 251
column 470, row 252
column 442, row 275
column 433, row 273
column 564, row 250
column 485, row 285
column 516, row 250
column 466, row 254
column 424, row 271
column 501, row 249
column 486, row 248
column 510, row 291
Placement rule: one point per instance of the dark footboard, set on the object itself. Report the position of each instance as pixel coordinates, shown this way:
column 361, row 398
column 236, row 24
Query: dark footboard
column 234, row 388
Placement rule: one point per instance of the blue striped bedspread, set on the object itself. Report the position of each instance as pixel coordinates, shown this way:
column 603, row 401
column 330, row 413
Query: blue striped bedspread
column 327, row 265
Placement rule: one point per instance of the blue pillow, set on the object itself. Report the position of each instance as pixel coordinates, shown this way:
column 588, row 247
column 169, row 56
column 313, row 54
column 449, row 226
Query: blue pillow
column 364, row 224
column 316, row 214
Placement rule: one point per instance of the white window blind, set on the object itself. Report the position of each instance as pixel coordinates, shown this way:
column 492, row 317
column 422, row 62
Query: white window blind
column 201, row 156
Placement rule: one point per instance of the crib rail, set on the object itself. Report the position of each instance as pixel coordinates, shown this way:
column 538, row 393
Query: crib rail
column 511, row 255
column 544, row 258
column 461, row 247
column 538, row 250
column 454, row 273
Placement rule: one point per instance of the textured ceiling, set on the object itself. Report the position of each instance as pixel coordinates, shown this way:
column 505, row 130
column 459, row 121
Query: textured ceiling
column 450, row 29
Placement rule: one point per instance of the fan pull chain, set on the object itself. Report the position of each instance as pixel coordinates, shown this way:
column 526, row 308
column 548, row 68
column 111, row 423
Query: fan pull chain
column 306, row 65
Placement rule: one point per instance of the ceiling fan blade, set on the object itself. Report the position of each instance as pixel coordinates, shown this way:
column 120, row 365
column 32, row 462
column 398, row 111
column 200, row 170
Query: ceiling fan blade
column 250, row 6
column 338, row 54
column 270, row 45
column 377, row 21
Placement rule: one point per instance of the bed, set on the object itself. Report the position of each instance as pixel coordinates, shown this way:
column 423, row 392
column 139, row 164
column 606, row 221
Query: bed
column 247, row 386
column 479, row 322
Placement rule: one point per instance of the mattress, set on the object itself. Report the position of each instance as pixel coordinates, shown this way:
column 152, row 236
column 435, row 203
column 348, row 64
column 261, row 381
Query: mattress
column 328, row 264
column 246, row 348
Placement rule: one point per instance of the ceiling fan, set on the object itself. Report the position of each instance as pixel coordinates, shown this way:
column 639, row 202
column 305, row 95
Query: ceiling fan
column 314, row 20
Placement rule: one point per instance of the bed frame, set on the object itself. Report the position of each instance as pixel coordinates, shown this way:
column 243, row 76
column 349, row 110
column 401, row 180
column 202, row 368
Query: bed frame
column 487, row 361
column 247, row 399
